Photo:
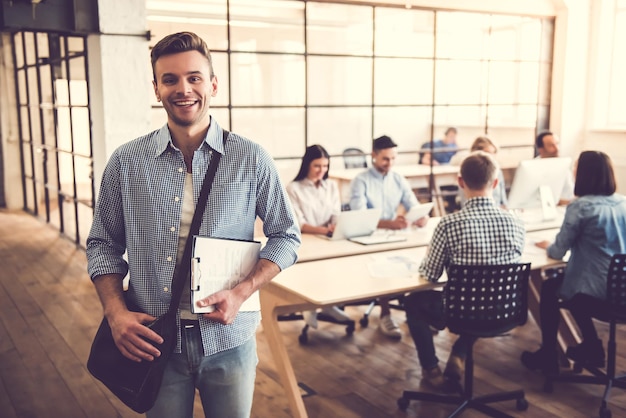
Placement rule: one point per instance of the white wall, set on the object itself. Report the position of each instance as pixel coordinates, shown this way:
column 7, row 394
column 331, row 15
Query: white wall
column 9, row 133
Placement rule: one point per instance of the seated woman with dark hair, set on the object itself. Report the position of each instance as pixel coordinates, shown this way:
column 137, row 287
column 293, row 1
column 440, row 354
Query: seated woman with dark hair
column 593, row 230
column 316, row 204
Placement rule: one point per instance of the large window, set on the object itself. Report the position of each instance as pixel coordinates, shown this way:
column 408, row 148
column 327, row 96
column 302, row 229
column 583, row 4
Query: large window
column 55, row 130
column 295, row 73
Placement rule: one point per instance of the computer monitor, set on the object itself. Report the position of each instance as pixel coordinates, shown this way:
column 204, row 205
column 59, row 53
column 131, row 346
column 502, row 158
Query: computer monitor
column 538, row 183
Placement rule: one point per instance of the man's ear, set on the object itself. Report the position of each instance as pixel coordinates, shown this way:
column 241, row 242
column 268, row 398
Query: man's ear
column 461, row 182
column 156, row 91
column 495, row 183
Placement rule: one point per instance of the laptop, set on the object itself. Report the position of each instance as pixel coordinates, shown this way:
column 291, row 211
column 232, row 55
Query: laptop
column 355, row 223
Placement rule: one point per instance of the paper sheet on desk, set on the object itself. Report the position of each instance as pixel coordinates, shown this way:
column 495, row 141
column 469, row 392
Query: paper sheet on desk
column 220, row 264
column 385, row 267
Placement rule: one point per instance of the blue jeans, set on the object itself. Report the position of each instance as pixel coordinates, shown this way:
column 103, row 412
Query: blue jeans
column 424, row 309
column 225, row 380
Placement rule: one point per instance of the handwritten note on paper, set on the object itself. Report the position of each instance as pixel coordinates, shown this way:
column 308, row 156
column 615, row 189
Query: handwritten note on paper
column 220, row 264
column 385, row 267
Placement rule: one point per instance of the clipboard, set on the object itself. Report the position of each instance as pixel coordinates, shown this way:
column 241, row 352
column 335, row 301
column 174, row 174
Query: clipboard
column 220, row 264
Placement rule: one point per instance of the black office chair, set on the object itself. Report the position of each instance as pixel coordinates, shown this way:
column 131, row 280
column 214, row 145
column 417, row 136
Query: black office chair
column 354, row 158
column 479, row 302
column 616, row 300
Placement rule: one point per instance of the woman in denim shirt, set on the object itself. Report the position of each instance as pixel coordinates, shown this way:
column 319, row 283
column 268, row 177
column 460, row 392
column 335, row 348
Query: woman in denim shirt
column 593, row 230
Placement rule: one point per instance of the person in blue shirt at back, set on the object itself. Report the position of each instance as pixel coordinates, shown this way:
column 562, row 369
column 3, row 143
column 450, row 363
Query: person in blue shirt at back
column 593, row 230
column 440, row 157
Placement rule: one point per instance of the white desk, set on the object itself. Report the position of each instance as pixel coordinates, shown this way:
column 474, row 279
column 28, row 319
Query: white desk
column 322, row 282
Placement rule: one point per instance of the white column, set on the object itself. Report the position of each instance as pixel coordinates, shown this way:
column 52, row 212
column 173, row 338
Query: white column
column 119, row 78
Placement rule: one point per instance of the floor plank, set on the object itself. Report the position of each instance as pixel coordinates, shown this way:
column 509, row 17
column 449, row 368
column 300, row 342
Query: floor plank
column 49, row 312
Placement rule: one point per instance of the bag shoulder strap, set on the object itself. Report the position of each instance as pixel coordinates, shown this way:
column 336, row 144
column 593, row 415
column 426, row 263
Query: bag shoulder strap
column 185, row 269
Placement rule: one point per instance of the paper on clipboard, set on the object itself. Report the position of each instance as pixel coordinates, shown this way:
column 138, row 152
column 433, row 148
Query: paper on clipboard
column 220, row 264
column 418, row 211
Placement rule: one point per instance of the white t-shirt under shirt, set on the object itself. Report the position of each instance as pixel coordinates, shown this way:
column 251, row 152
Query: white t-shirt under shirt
column 185, row 224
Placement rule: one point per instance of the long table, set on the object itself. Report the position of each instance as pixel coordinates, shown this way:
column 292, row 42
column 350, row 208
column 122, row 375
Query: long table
column 330, row 273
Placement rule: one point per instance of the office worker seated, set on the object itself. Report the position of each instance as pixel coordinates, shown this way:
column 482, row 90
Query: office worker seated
column 593, row 230
column 440, row 157
column 482, row 143
column 380, row 187
column 547, row 145
column 479, row 234
column 316, row 203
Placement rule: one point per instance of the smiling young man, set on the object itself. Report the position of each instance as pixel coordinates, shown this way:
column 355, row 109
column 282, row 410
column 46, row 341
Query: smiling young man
column 147, row 199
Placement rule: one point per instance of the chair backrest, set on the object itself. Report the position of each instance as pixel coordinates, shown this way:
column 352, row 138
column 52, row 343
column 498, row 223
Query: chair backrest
column 486, row 301
column 354, row 158
column 616, row 286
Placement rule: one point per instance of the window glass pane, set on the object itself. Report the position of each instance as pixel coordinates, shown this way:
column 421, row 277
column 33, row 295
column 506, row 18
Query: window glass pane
column 512, row 115
column 460, row 82
column 85, row 219
column 42, row 45
column 405, row 33
column 280, row 131
column 221, row 116
column 471, row 42
column 514, row 37
column 75, row 44
column 339, row 80
column 64, row 129
column 80, row 130
column 208, row 22
column 339, row 29
column 45, row 81
column 220, row 68
column 19, row 51
column 77, row 68
column 458, row 115
column 84, row 173
column 21, row 86
column 48, row 127
column 25, row 121
column 351, row 127
column 69, row 219
column 403, row 81
column 260, row 79
column 66, row 173
column 408, row 126
column 78, row 93
column 28, row 165
column 267, row 25
column 29, row 48
column 513, row 82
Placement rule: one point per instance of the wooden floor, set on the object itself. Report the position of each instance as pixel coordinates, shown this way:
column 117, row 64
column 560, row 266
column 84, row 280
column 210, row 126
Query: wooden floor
column 49, row 312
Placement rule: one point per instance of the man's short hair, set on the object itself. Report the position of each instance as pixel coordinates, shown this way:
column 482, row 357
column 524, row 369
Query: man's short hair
column 180, row 42
column 478, row 170
column 451, row 129
column 383, row 142
column 539, row 140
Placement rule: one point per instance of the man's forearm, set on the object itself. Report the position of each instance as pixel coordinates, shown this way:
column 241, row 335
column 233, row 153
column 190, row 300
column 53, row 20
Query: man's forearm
column 111, row 293
column 262, row 273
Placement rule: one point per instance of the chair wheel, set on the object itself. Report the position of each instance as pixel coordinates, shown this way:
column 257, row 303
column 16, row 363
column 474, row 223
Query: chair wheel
column 350, row 329
column 403, row 404
column 364, row 321
column 548, row 387
column 303, row 338
column 521, row 404
column 605, row 412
